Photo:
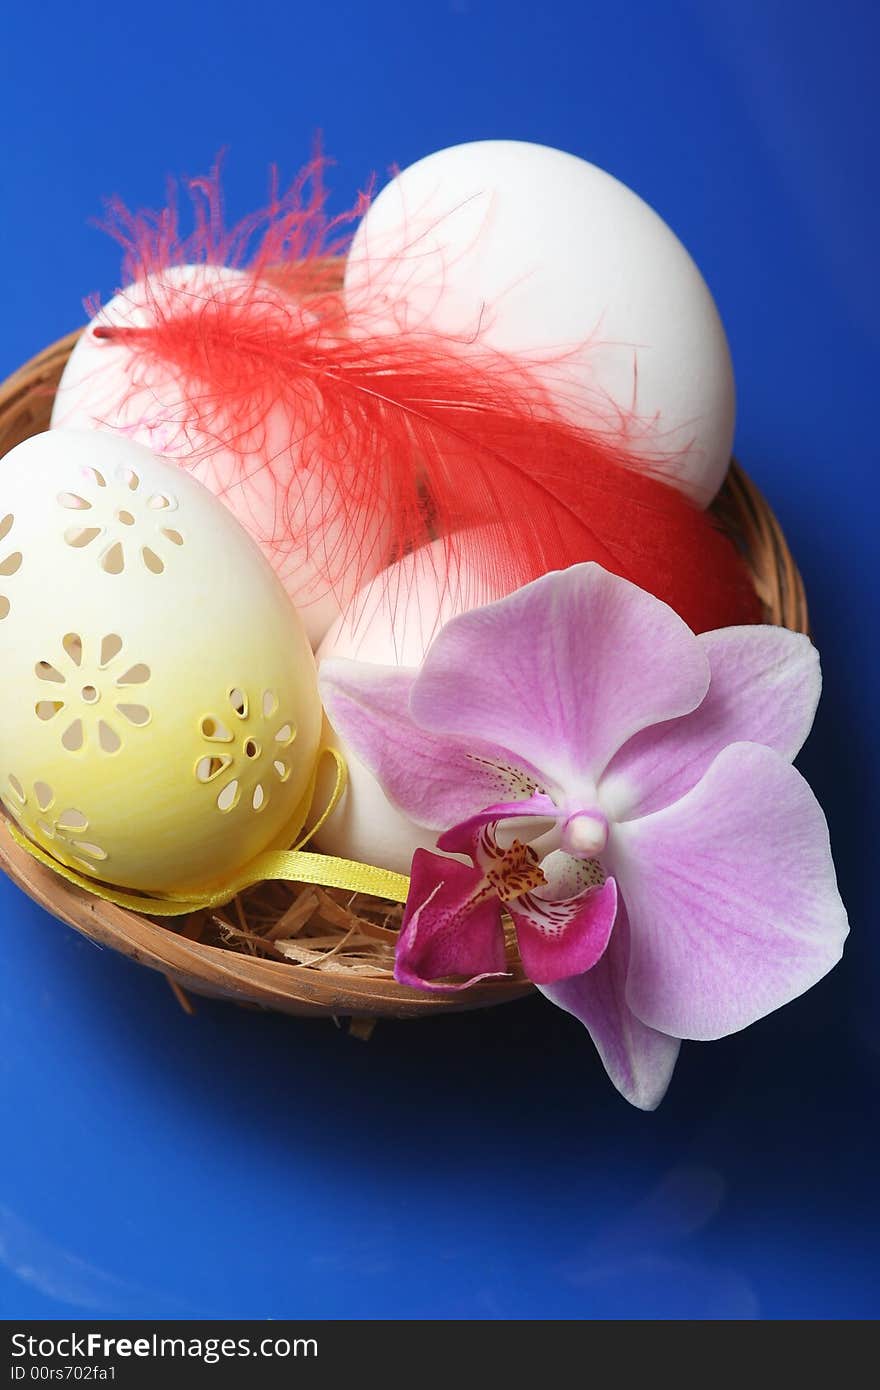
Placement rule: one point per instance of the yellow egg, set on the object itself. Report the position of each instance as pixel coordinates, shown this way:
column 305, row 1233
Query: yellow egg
column 161, row 718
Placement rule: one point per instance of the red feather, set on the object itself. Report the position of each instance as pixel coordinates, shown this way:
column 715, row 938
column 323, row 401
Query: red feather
column 431, row 435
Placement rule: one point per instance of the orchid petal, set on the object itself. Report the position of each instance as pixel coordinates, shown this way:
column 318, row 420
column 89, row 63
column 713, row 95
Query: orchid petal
column 566, row 937
column 449, row 928
column 467, row 836
column 639, row 1060
column 731, row 896
column 437, row 781
column 764, row 689
column 564, row 671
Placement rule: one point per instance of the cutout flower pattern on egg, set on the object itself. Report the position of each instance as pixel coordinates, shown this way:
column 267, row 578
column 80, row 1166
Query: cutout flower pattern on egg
column 248, row 744
column 93, row 701
column 10, row 562
column 124, row 521
column 63, row 830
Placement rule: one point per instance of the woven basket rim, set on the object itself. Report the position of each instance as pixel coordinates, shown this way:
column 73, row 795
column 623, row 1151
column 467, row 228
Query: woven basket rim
column 192, row 965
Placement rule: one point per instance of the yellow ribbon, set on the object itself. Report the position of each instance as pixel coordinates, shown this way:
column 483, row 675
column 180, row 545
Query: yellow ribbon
column 292, row 866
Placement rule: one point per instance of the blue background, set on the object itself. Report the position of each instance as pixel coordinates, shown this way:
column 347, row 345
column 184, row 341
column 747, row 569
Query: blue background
column 241, row 1165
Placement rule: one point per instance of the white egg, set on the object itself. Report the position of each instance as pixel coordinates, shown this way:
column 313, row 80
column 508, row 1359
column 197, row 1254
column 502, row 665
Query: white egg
column 392, row 622
column 161, row 716
column 106, row 386
column 537, row 253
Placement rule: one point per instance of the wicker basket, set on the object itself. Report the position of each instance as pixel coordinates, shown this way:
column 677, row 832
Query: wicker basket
column 328, row 985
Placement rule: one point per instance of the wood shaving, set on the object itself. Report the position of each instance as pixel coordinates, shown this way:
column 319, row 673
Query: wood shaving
column 318, row 928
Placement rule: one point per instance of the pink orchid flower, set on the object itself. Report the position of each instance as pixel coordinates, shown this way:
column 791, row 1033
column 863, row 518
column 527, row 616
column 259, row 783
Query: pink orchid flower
column 623, row 790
